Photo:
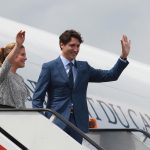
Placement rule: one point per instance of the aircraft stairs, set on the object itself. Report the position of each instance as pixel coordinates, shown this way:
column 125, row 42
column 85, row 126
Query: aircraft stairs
column 27, row 129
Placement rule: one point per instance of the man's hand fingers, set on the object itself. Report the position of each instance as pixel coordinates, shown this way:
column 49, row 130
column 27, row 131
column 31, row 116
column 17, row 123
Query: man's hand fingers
column 130, row 42
column 125, row 38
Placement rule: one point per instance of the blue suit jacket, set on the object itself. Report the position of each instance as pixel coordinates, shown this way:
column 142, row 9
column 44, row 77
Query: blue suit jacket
column 54, row 80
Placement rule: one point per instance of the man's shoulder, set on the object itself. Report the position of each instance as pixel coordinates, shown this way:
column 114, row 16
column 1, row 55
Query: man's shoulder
column 81, row 62
column 50, row 63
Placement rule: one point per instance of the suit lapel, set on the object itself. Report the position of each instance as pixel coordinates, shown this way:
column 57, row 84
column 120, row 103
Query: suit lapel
column 63, row 73
column 61, row 69
column 78, row 77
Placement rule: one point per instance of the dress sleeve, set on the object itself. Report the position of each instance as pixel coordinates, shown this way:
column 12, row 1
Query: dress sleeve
column 4, row 70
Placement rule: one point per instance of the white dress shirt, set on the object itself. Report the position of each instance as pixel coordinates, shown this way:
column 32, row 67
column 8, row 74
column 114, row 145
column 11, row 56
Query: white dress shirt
column 66, row 62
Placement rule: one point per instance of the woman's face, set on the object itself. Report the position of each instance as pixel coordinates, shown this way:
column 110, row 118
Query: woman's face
column 20, row 59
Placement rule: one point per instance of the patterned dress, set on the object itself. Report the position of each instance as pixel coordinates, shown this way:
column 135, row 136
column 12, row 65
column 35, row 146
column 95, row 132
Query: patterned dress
column 13, row 91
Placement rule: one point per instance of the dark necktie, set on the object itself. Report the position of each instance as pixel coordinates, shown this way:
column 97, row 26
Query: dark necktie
column 70, row 74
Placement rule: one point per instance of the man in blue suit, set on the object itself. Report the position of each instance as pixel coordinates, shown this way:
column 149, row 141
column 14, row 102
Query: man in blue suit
column 65, row 80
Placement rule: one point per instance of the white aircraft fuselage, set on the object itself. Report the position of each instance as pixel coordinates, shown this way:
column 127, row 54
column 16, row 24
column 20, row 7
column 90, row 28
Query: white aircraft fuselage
column 120, row 104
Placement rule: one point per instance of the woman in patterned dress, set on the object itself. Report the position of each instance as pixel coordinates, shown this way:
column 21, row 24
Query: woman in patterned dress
column 13, row 91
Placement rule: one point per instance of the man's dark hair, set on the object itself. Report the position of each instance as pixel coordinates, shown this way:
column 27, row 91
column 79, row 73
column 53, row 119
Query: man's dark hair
column 66, row 36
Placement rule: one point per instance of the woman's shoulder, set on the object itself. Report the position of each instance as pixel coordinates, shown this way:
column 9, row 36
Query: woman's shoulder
column 19, row 76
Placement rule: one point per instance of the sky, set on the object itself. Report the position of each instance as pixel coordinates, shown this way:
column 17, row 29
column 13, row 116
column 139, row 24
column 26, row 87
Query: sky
column 100, row 22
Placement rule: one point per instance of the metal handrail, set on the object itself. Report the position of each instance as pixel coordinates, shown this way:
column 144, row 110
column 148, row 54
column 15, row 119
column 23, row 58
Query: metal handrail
column 11, row 138
column 122, row 129
column 147, row 135
column 81, row 133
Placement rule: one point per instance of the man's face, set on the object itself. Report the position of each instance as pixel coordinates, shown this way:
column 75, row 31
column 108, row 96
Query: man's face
column 71, row 49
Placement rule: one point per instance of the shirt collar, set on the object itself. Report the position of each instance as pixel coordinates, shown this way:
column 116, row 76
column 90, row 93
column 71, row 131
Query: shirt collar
column 66, row 61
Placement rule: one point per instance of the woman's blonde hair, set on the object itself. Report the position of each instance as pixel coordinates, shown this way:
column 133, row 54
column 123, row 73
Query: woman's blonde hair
column 4, row 51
